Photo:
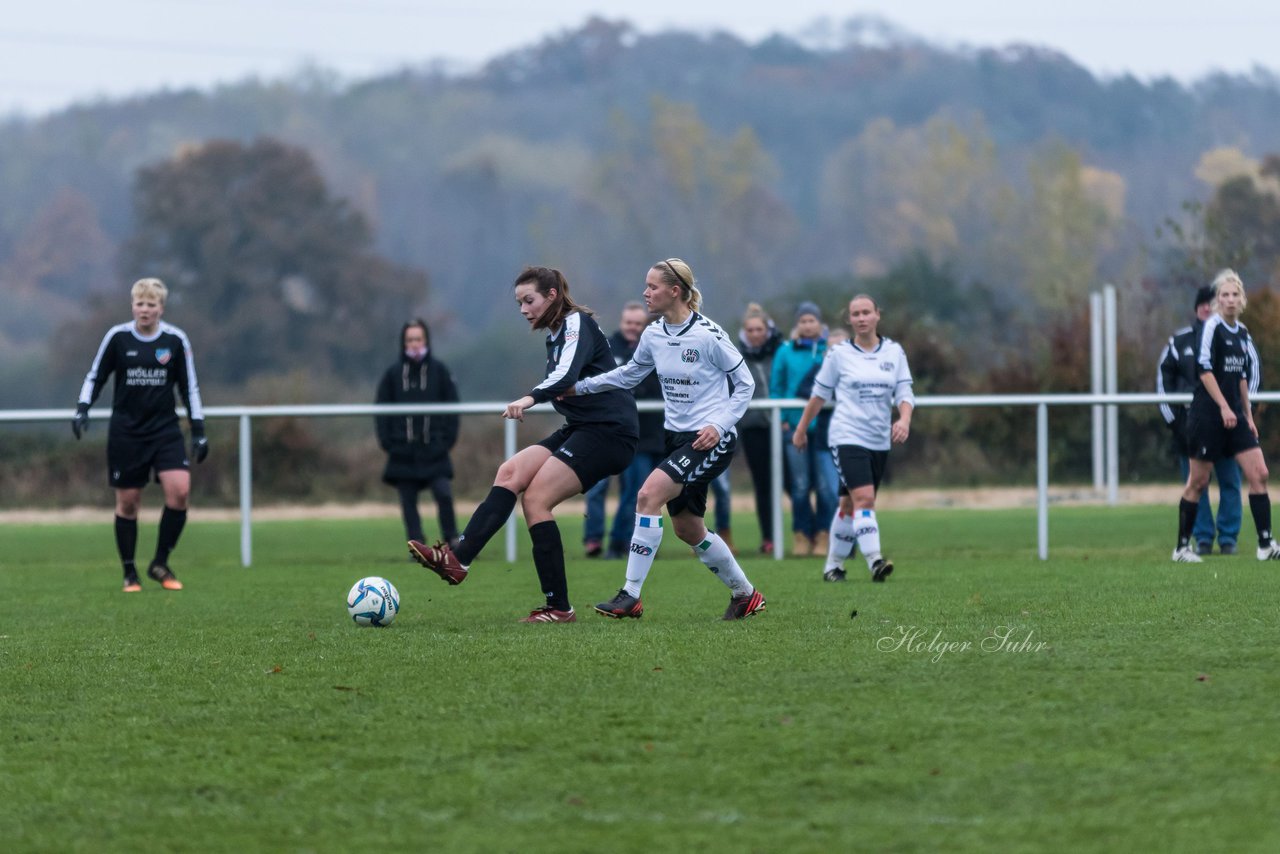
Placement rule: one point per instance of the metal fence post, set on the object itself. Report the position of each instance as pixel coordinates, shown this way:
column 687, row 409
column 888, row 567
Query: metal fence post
column 246, row 492
column 509, row 451
column 1042, row 479
column 775, row 466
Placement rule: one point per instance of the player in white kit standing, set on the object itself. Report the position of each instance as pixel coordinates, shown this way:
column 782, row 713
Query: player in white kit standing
column 698, row 366
column 868, row 376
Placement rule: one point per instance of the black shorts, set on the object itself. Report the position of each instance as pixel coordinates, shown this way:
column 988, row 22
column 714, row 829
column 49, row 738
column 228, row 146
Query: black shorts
column 131, row 460
column 859, row 466
column 593, row 453
column 694, row 469
column 1209, row 439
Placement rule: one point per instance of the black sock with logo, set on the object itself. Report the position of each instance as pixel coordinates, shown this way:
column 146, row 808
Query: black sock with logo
column 491, row 515
column 171, row 524
column 548, row 560
column 1260, row 507
column 127, row 544
column 1186, row 520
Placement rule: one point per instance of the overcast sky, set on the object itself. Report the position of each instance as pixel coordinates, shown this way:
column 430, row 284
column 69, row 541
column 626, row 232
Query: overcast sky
column 56, row 52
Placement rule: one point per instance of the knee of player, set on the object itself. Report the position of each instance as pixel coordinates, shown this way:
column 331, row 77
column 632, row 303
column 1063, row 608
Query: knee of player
column 650, row 500
column 691, row 530
column 508, row 477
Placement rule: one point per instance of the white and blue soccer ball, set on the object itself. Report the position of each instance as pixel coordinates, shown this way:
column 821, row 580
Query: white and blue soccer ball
column 373, row 601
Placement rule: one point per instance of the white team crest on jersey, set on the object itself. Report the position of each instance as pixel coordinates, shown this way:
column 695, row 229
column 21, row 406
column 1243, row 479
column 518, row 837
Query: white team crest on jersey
column 162, row 355
column 689, row 356
column 887, row 367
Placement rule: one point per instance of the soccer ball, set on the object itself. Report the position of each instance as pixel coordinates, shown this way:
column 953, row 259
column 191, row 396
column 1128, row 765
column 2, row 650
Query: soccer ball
column 373, row 601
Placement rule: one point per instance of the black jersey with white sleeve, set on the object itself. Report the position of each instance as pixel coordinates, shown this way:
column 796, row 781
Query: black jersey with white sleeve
column 579, row 349
column 1228, row 353
column 695, row 362
column 147, row 369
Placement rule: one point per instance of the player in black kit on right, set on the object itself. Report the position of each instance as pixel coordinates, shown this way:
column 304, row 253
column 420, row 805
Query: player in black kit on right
column 149, row 358
column 1220, row 423
column 597, row 440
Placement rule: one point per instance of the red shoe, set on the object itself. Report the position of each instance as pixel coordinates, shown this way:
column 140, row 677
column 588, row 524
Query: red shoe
column 547, row 614
column 162, row 574
column 132, row 585
column 741, row 607
column 440, row 559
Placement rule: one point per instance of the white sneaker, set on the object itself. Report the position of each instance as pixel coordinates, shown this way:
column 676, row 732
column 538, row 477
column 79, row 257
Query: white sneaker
column 1271, row 551
column 1186, row 554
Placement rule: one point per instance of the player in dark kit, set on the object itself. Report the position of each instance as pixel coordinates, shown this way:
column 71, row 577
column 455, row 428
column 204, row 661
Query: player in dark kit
column 597, row 440
column 1179, row 371
column 1220, row 422
column 149, row 358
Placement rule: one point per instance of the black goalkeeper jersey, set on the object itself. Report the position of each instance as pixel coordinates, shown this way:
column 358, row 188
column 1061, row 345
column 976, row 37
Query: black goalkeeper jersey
column 575, row 351
column 1228, row 353
column 147, row 369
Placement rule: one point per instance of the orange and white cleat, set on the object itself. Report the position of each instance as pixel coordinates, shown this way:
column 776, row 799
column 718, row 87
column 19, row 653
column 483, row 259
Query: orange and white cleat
column 162, row 574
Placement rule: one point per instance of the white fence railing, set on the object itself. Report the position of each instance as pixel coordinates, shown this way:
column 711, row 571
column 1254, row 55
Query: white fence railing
column 1041, row 402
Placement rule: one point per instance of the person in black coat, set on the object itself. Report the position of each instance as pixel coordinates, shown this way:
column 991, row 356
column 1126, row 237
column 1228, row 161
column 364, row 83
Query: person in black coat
column 418, row 446
column 758, row 340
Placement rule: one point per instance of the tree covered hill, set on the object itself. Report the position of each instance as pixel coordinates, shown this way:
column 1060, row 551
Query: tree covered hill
column 600, row 150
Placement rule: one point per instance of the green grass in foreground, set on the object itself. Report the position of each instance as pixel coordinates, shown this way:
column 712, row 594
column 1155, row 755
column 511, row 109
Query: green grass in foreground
column 1133, row 705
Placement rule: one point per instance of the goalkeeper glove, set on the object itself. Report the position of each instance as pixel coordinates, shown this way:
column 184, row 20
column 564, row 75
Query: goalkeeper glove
column 199, row 444
column 80, row 423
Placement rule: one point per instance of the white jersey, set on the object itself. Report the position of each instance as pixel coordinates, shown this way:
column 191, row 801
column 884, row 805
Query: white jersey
column 695, row 362
column 866, row 385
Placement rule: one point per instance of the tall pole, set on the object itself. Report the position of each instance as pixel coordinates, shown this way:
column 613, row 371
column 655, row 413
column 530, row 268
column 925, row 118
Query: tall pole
column 1113, row 411
column 1095, row 386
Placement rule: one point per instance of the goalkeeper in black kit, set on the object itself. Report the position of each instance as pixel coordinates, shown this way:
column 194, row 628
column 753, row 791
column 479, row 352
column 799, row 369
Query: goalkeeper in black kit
column 149, row 359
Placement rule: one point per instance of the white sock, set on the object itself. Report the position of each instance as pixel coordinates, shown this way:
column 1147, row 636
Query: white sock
column 842, row 541
column 645, row 540
column 715, row 555
column 867, row 533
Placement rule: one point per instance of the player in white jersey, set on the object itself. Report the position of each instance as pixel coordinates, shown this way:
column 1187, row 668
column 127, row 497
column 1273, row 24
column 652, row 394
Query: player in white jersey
column 868, row 376
column 697, row 365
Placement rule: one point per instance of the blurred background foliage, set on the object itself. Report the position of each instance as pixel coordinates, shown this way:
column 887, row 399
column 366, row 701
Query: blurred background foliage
column 980, row 196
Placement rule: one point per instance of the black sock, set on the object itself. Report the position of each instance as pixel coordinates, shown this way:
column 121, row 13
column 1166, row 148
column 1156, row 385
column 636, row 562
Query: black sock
column 1186, row 520
column 489, row 517
column 171, row 522
column 127, row 544
column 548, row 559
column 1260, row 507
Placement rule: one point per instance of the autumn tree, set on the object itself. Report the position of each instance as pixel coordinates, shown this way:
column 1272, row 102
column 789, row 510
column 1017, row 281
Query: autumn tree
column 265, row 267
column 677, row 187
column 1238, row 227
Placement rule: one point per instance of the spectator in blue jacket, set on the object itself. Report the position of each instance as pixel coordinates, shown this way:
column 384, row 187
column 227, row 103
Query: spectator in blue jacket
column 810, row 481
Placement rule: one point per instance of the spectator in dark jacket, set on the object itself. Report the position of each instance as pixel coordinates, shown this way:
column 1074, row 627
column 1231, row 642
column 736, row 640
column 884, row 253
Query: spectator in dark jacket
column 418, row 446
column 758, row 340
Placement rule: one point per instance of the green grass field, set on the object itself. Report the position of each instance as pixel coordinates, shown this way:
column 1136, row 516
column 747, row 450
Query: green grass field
column 1107, row 700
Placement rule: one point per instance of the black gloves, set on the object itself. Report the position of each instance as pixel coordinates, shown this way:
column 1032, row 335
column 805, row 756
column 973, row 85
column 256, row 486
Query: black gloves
column 80, row 423
column 199, row 444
